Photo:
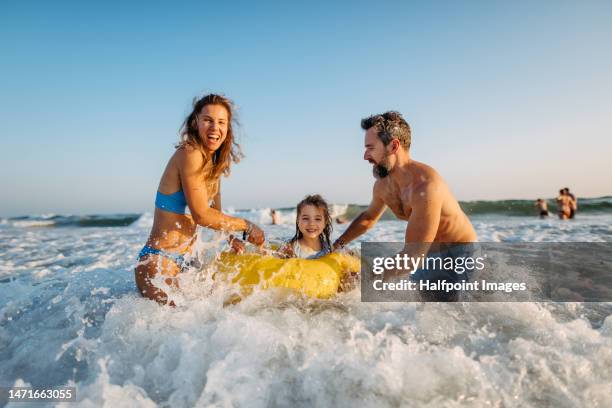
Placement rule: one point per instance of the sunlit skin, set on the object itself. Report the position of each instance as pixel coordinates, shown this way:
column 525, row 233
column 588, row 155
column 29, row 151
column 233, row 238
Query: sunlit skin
column 176, row 232
column 414, row 192
column 564, row 205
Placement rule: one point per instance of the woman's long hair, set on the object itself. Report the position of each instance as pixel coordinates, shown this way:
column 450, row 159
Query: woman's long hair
column 219, row 162
column 317, row 201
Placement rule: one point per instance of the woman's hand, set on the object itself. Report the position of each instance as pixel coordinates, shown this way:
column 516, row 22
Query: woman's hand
column 236, row 245
column 255, row 235
column 287, row 251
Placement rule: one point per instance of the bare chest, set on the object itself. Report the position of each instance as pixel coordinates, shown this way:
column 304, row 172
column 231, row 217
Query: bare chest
column 398, row 203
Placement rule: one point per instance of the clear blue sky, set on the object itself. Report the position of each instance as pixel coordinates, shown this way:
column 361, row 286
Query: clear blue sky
column 506, row 99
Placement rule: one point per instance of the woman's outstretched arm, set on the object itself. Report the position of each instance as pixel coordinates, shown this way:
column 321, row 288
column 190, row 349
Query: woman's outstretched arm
column 190, row 162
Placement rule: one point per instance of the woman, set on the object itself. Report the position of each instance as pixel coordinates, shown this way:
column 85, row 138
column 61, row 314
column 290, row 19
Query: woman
column 192, row 179
column 563, row 205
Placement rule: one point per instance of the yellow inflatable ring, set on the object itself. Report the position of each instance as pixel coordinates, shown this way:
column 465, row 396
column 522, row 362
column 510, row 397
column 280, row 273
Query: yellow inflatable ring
column 318, row 278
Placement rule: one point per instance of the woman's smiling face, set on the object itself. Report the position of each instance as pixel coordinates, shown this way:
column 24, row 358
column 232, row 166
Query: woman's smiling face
column 213, row 123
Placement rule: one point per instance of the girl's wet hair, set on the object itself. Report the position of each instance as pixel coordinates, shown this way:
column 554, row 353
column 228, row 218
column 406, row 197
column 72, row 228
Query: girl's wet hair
column 218, row 163
column 317, row 201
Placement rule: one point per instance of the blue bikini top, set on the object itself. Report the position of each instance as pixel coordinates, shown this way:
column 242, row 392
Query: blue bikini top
column 174, row 202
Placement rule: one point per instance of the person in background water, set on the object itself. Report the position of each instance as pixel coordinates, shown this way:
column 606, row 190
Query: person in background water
column 313, row 228
column 573, row 204
column 341, row 219
column 274, row 215
column 564, row 205
column 542, row 206
column 191, row 181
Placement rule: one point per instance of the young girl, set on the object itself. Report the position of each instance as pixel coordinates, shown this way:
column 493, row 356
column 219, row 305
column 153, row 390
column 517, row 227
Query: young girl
column 313, row 228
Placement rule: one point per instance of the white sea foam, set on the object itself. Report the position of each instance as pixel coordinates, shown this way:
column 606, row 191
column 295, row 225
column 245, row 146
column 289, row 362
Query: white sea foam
column 33, row 223
column 69, row 315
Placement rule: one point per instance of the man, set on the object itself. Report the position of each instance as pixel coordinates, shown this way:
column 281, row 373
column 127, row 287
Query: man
column 542, row 206
column 414, row 192
column 274, row 216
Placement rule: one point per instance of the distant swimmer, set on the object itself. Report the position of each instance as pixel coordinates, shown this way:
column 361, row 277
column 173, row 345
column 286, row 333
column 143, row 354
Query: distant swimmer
column 415, row 192
column 542, row 206
column 564, row 205
column 274, row 215
column 573, row 204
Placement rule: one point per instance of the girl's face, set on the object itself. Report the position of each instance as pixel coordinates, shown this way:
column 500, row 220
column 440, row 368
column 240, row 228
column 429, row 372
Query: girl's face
column 212, row 126
column 311, row 221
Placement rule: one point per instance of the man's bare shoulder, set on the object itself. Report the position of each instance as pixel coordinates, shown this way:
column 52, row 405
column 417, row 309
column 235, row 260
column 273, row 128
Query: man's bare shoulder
column 378, row 191
column 426, row 177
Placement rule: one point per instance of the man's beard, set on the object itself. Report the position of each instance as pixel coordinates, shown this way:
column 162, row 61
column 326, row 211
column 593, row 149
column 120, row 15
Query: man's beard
column 380, row 170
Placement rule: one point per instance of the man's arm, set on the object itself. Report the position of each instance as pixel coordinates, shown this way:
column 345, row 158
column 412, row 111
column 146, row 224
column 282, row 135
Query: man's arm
column 364, row 221
column 426, row 207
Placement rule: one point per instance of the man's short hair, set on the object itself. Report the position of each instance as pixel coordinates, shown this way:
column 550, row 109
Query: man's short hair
column 389, row 125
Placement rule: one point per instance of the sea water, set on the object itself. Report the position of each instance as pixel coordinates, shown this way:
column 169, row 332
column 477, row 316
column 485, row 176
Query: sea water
column 70, row 316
